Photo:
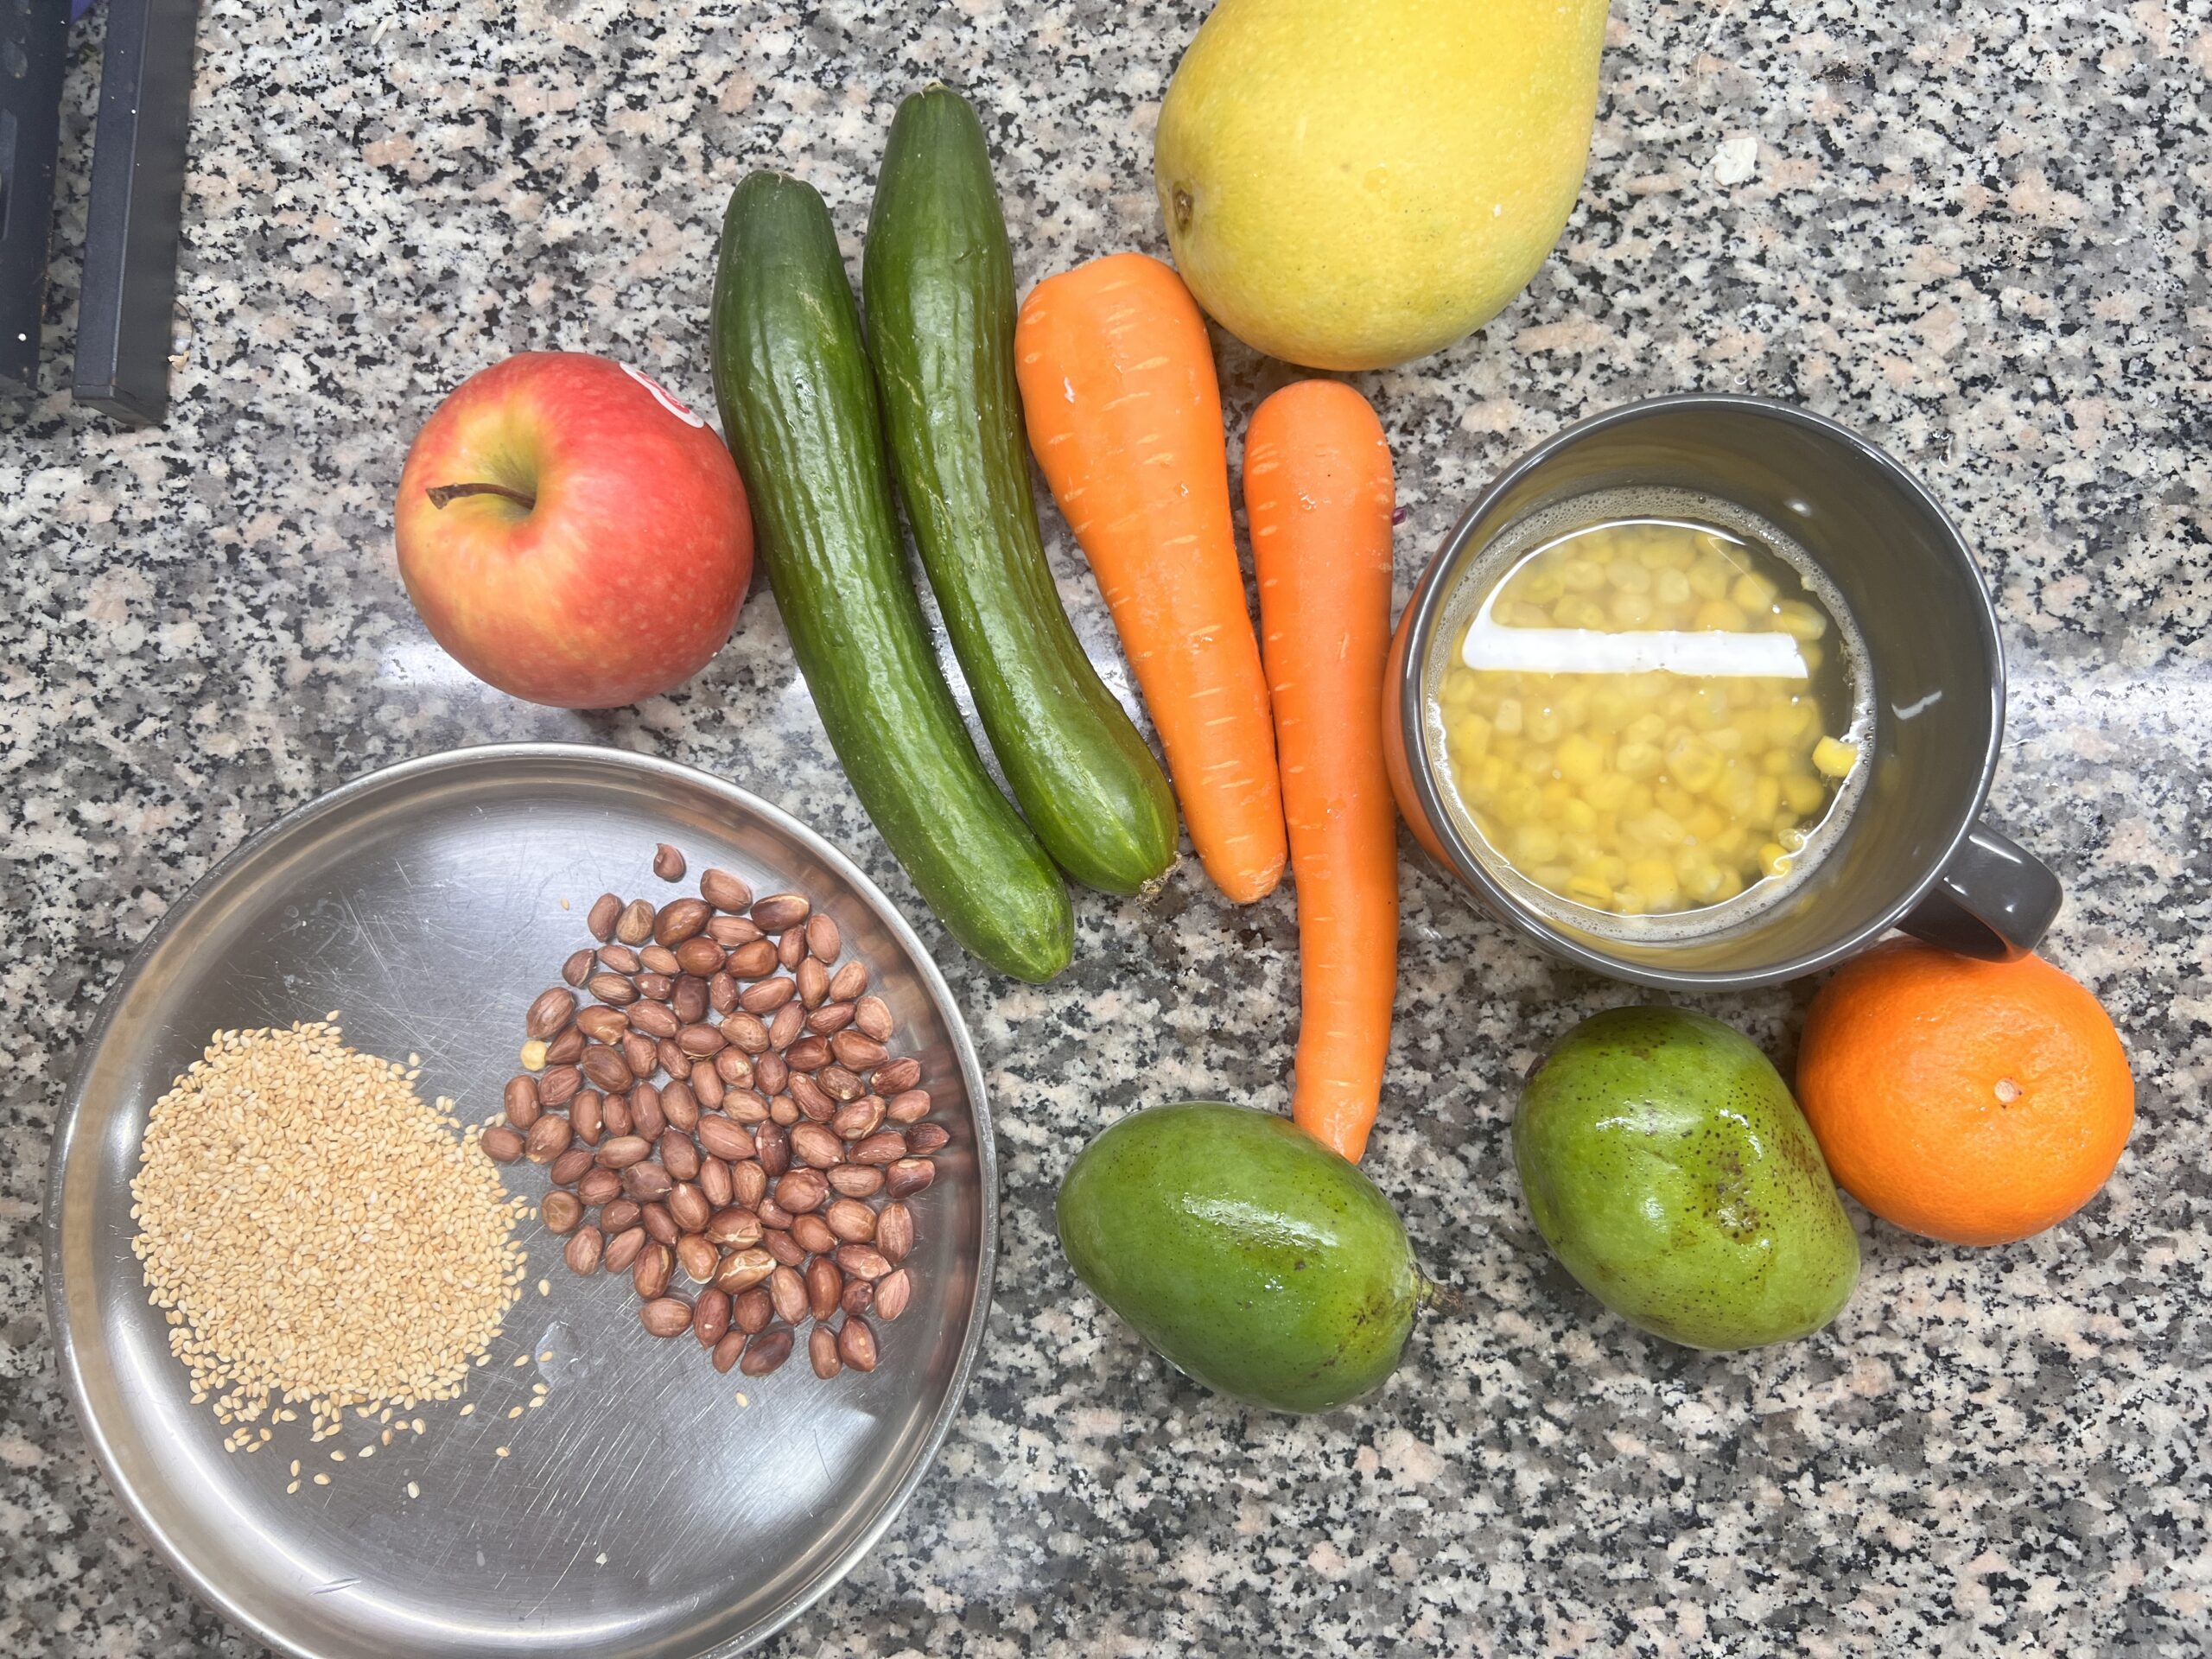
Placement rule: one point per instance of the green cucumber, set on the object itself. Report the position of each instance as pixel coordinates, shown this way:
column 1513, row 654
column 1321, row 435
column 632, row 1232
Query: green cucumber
column 939, row 283
column 798, row 408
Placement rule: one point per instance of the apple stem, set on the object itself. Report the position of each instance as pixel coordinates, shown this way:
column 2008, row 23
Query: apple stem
column 441, row 493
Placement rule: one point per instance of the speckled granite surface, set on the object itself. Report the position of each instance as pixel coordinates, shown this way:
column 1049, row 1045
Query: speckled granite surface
column 1977, row 231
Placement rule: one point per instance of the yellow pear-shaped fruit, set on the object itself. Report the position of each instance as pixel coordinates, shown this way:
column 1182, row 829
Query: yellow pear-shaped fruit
column 1351, row 184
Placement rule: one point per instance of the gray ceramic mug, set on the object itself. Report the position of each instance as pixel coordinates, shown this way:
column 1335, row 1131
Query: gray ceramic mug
column 1915, row 853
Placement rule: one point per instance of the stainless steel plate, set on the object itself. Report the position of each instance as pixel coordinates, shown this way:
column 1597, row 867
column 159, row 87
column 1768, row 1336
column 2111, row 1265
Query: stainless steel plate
column 644, row 1510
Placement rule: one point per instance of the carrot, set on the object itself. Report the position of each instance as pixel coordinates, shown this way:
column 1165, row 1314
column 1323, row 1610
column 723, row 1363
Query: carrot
column 1117, row 386
column 1318, row 497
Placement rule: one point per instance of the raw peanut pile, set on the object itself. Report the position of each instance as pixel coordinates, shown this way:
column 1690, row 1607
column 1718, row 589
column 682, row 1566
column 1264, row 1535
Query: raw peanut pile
column 724, row 1108
column 318, row 1235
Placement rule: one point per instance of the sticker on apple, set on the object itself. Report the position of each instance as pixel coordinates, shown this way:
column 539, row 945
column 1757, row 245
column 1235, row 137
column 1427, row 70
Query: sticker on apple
column 662, row 396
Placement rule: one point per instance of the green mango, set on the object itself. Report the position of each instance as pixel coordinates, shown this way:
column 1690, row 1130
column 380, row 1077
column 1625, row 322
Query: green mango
column 1671, row 1171
column 1253, row 1257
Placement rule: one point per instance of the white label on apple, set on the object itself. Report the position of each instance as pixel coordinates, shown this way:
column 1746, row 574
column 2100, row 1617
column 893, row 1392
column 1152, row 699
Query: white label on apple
column 662, row 397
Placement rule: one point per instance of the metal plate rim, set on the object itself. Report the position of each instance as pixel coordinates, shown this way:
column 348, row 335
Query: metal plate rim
column 66, row 1123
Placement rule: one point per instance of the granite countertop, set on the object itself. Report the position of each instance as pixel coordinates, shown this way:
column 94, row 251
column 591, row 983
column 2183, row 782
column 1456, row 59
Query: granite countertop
column 1976, row 232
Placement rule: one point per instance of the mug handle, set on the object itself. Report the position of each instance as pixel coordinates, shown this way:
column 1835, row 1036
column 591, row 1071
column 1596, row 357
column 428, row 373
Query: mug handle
column 1993, row 902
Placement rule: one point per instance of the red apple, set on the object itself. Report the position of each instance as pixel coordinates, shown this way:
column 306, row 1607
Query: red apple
column 571, row 533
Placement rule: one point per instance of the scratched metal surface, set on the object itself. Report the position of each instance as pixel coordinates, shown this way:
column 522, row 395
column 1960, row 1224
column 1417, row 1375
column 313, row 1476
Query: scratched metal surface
column 650, row 1508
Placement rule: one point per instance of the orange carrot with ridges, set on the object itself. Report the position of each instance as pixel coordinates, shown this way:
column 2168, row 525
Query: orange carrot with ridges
column 1318, row 497
column 1118, row 386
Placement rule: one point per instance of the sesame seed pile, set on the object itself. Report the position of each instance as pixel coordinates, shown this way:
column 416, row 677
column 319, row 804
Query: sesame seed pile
column 320, row 1236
